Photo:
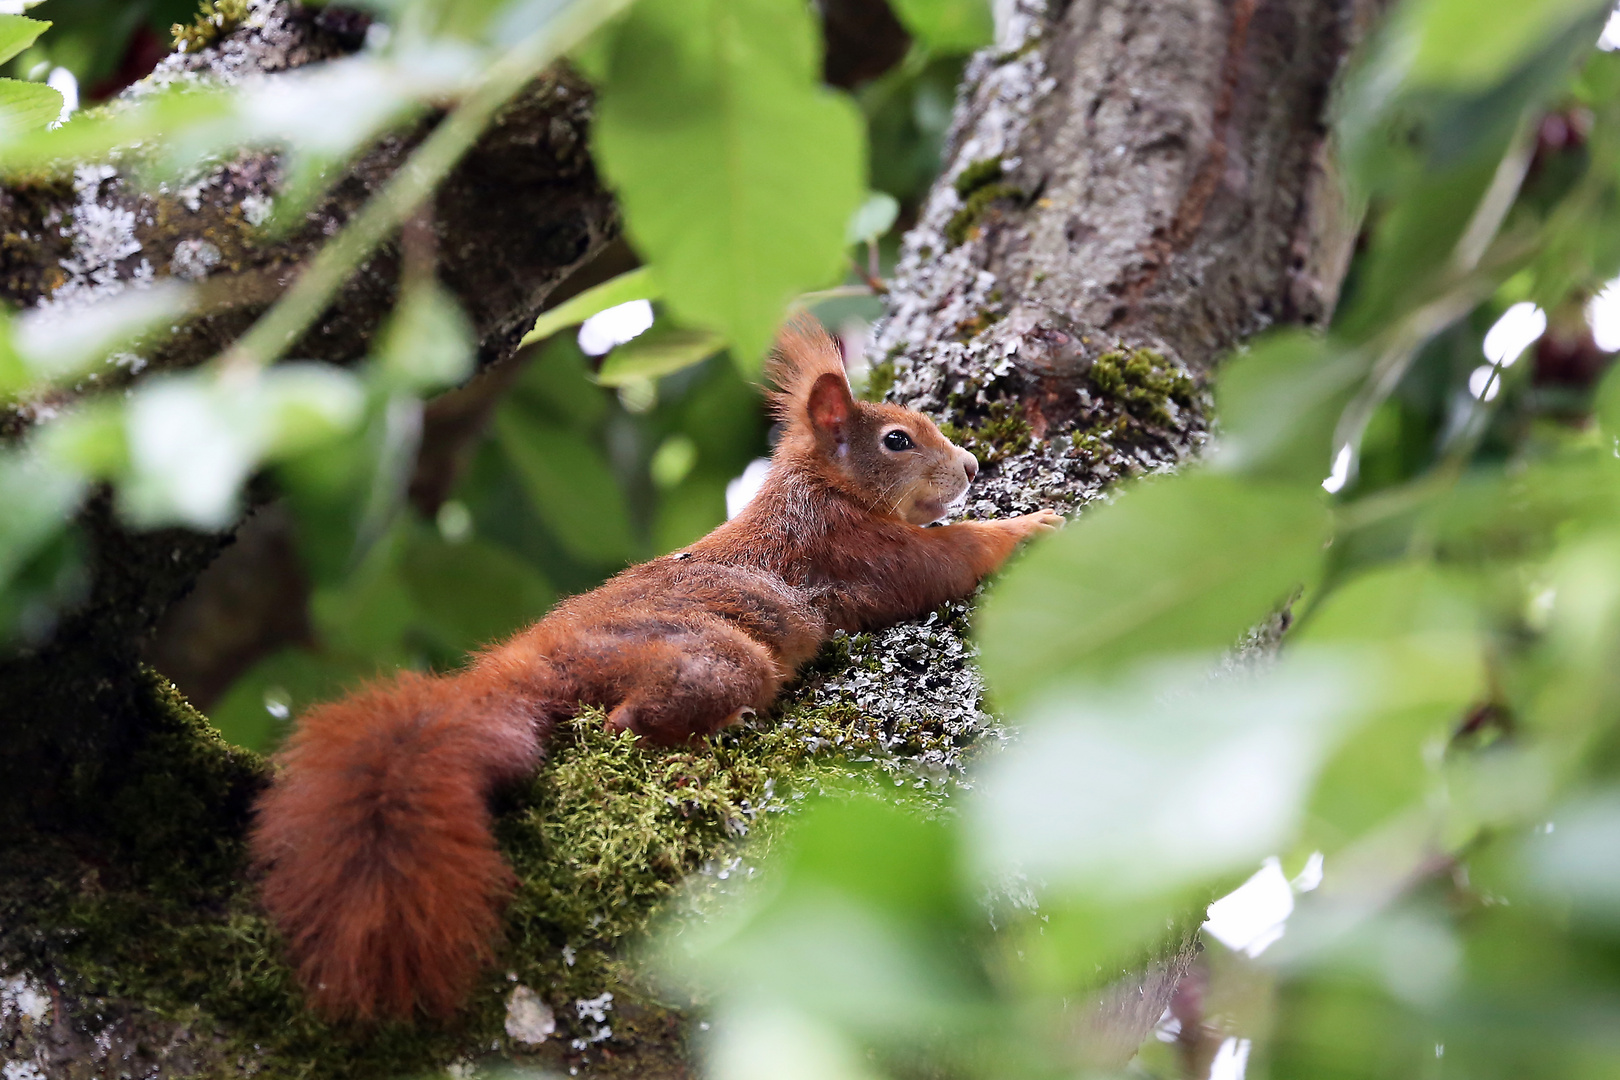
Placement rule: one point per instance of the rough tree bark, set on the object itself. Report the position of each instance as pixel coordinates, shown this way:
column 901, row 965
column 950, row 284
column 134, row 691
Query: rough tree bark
column 1131, row 189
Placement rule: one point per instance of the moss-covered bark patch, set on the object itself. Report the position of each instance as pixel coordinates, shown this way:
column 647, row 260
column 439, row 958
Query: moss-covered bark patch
column 147, row 929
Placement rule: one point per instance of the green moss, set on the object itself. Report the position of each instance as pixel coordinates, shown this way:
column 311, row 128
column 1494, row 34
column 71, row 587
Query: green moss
column 601, row 839
column 1097, row 442
column 1003, row 432
column 960, row 228
column 978, row 185
column 976, row 175
column 216, row 20
column 880, row 380
column 1143, row 383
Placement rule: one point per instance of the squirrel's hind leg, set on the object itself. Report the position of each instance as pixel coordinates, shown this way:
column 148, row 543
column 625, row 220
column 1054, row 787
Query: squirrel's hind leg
column 697, row 684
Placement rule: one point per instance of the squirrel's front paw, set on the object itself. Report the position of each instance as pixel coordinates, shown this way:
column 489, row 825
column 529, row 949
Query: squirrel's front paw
column 1041, row 521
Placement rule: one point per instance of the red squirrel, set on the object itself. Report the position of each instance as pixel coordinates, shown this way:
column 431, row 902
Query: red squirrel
column 374, row 838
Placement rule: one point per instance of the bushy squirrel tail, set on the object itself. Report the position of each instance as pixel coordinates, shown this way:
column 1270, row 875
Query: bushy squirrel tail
column 379, row 864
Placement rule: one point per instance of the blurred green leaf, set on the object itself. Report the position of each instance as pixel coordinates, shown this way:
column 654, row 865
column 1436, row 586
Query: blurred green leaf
column 571, row 486
column 347, row 493
column 736, row 170
column 17, row 33
column 673, row 461
column 62, row 342
column 428, row 343
column 637, row 284
column 1209, row 775
column 1181, row 564
column 1431, row 673
column 872, row 218
column 948, row 26
column 1472, row 45
column 38, row 496
column 751, row 1040
column 661, row 351
column 26, row 106
column 1279, row 404
column 91, row 440
column 1577, row 861
column 194, row 438
column 258, row 710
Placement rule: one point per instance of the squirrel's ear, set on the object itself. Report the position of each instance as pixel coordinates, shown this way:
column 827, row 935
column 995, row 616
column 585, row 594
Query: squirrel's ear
column 829, row 404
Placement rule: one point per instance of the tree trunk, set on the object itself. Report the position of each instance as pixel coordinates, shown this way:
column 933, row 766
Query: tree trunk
column 1131, row 190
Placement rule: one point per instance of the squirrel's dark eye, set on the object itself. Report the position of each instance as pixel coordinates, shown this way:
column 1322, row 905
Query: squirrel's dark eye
column 897, row 440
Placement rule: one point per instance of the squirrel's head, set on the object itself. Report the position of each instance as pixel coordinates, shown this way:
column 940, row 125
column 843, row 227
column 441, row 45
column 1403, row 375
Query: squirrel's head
column 893, row 461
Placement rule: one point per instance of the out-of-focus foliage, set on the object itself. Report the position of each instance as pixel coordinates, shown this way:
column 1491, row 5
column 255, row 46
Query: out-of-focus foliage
column 24, row 105
column 1431, row 491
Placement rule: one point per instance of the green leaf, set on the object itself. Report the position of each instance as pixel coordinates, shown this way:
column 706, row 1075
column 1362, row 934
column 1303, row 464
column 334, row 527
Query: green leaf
column 347, row 493
column 428, row 343
column 194, row 439
column 638, row 284
column 26, row 106
column 91, row 440
column 1279, row 404
column 308, row 405
column 16, row 34
column 948, row 26
column 872, row 218
column 63, row 342
column 1183, row 564
column 1423, row 639
column 660, row 351
column 1607, row 403
column 571, row 486
column 38, row 495
column 1470, row 44
column 1143, row 789
column 737, row 171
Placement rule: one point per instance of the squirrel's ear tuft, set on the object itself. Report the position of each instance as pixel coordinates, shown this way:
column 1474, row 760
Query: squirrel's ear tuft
column 804, row 354
column 829, row 404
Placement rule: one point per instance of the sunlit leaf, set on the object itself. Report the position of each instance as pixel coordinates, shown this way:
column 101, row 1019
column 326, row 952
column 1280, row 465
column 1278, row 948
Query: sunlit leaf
column 17, row 33
column 1205, row 774
column 194, row 439
column 26, row 106
column 736, row 170
column 753, row 1041
column 1180, row 564
column 661, row 351
column 638, row 284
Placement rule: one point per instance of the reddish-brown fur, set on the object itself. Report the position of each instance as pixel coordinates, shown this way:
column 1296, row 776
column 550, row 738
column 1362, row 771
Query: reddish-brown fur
column 380, row 868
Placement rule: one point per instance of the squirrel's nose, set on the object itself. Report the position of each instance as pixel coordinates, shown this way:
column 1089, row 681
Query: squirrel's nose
column 970, row 464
